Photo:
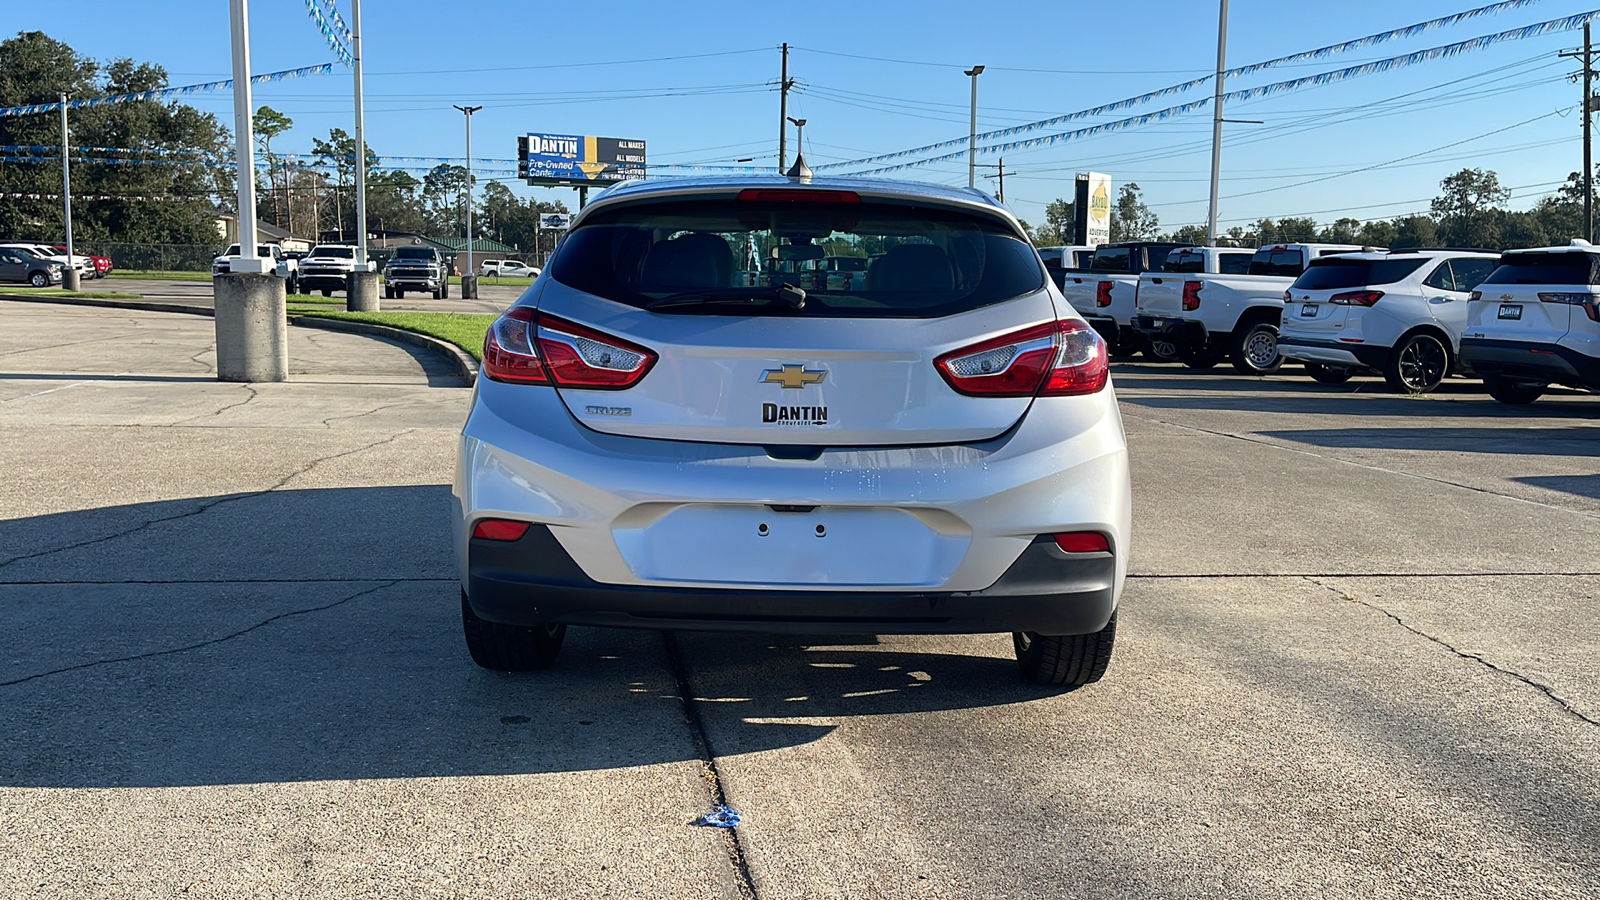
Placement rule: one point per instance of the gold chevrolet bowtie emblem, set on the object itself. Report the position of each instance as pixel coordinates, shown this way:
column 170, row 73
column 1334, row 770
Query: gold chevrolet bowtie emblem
column 793, row 377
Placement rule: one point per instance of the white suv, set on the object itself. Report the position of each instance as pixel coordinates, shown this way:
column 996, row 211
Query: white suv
column 1400, row 312
column 1536, row 321
column 656, row 443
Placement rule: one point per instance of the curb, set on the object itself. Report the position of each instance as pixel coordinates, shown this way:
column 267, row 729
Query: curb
column 114, row 304
column 466, row 367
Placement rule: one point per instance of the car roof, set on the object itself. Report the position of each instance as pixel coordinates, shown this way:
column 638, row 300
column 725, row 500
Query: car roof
column 1425, row 253
column 1567, row 248
column 876, row 188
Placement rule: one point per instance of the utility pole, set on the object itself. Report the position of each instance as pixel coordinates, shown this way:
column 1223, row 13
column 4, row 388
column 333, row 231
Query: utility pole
column 1000, row 174
column 972, row 134
column 469, row 280
column 1216, row 126
column 69, row 278
column 784, row 84
column 361, row 141
column 1587, row 55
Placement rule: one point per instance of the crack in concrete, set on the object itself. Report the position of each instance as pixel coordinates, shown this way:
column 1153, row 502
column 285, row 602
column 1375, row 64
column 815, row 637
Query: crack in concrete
column 199, row 644
column 379, row 409
column 212, row 415
column 708, row 761
column 207, row 506
column 209, row 348
column 1360, row 465
column 1539, row 686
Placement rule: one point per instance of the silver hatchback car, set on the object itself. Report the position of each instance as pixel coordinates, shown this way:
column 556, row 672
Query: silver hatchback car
column 670, row 431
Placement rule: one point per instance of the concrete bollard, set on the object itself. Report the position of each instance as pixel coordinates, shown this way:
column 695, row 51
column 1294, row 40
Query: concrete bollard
column 69, row 278
column 361, row 292
column 252, row 327
column 469, row 287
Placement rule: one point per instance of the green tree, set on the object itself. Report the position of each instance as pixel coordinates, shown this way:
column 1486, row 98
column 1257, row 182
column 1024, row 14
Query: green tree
column 1293, row 229
column 1414, row 231
column 146, row 202
column 1058, row 225
column 1377, row 233
column 267, row 124
column 1189, row 234
column 336, row 160
column 443, row 190
column 1523, row 229
column 1131, row 219
column 513, row 221
column 1342, row 231
column 1470, row 209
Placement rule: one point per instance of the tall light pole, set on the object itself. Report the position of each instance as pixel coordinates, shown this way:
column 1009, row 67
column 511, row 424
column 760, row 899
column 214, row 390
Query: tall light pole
column 799, row 137
column 70, row 277
column 972, row 135
column 361, row 141
column 244, row 141
column 1216, row 127
column 469, row 290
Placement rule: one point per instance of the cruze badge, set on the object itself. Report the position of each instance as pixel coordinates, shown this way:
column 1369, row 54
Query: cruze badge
column 793, row 377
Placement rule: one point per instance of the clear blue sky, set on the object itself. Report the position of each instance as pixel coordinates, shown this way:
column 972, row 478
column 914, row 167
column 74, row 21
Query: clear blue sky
column 517, row 60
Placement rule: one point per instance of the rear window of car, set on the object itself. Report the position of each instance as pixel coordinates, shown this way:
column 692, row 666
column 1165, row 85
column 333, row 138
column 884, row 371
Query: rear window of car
column 919, row 261
column 1332, row 272
column 1112, row 259
column 1180, row 262
column 1545, row 268
column 1283, row 263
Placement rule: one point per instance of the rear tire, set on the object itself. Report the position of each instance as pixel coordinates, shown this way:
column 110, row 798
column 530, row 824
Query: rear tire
column 1069, row 659
column 1255, row 352
column 1203, row 357
column 1516, row 393
column 510, row 648
column 1323, row 373
column 1418, row 365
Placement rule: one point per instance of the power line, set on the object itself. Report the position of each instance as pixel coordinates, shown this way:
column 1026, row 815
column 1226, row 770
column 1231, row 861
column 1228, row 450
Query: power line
column 577, row 65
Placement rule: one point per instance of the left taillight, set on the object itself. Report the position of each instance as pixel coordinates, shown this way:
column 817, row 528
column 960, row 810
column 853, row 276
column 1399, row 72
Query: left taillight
column 1057, row 359
column 524, row 347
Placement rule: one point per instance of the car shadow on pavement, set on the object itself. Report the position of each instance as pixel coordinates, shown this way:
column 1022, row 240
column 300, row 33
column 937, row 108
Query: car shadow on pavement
column 315, row 634
column 1573, row 441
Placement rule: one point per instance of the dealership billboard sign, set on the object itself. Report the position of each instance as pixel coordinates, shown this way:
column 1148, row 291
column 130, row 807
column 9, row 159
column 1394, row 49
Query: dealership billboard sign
column 1092, row 210
column 568, row 160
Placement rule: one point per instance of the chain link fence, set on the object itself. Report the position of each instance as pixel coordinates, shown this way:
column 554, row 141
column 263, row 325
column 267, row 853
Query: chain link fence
column 157, row 257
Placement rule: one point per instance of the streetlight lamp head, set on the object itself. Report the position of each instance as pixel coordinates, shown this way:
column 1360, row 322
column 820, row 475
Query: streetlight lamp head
column 975, row 70
column 798, row 123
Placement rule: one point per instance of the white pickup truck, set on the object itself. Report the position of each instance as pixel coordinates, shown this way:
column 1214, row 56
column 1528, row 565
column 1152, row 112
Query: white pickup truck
column 282, row 266
column 1104, row 292
column 1212, row 315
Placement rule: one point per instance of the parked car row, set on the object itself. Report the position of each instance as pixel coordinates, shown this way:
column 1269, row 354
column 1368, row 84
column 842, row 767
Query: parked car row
column 88, row 266
column 1521, row 320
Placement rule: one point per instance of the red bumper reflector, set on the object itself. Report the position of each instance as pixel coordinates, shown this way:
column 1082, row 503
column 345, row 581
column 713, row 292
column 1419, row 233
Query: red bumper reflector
column 1084, row 542
column 499, row 530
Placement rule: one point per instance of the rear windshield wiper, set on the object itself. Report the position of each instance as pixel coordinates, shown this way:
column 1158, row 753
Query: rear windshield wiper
column 788, row 293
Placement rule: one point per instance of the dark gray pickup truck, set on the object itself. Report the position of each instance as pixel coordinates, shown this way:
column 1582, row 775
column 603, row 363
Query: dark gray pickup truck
column 416, row 269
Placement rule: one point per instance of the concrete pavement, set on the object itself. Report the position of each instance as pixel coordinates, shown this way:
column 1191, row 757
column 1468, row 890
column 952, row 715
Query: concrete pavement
column 492, row 298
column 1356, row 659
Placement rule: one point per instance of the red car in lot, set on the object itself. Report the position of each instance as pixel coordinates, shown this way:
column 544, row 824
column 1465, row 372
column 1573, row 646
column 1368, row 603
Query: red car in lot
column 102, row 264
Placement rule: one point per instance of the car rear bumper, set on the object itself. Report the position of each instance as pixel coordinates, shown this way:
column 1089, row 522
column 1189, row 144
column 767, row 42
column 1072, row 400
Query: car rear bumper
column 707, row 519
column 1178, row 331
column 1336, row 353
column 1529, row 361
column 534, row 581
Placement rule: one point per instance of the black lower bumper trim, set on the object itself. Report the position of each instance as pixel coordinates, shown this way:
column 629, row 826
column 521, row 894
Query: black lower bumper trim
column 1369, row 355
column 533, row 581
column 1178, row 331
column 1531, row 361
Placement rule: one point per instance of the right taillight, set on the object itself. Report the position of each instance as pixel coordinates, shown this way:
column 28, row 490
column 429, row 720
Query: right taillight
column 1083, row 542
column 1590, row 303
column 1102, row 294
column 524, row 347
column 1356, row 298
column 1191, row 294
column 1057, row 359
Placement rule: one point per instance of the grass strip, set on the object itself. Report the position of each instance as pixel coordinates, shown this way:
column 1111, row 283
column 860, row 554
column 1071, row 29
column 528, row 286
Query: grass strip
column 154, row 274
column 465, row 330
